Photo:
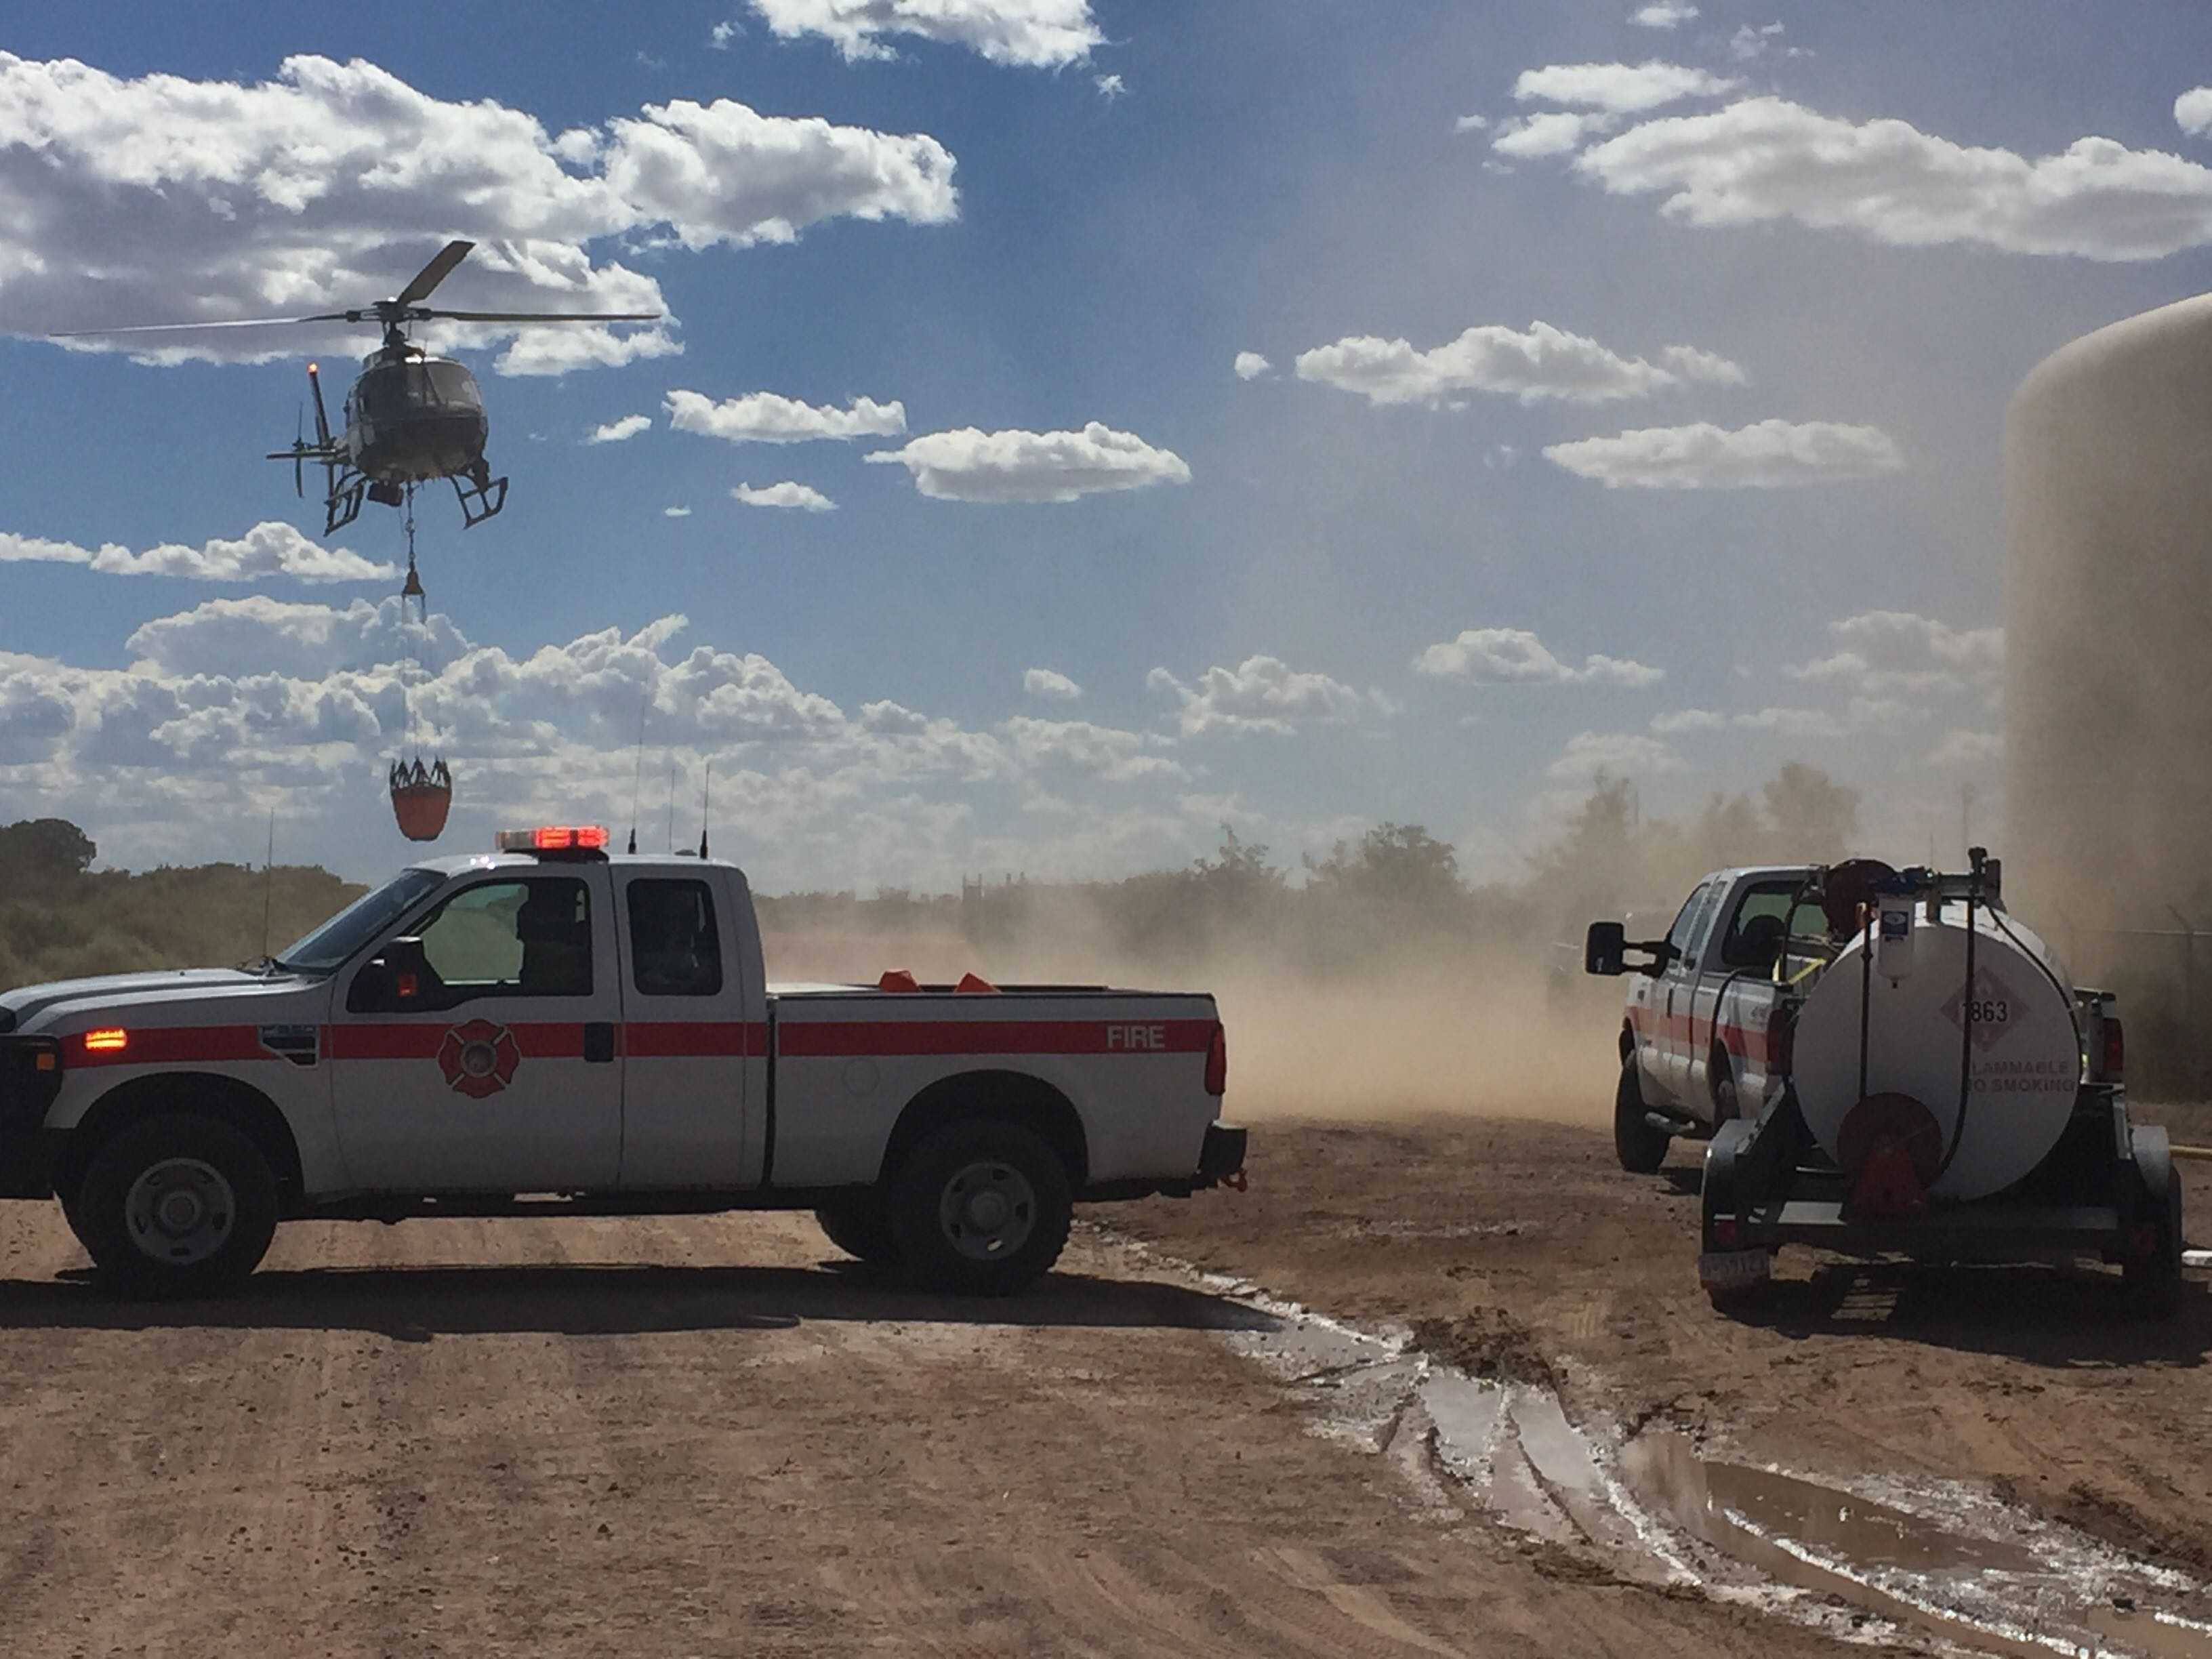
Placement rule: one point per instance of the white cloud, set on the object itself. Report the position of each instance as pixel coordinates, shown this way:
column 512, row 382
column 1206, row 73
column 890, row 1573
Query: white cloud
column 1264, row 694
column 1963, row 749
column 1471, row 124
column 1513, row 656
column 1028, row 34
column 786, row 494
column 1677, row 721
column 1111, row 87
column 2192, row 111
column 1766, row 159
column 615, row 432
column 1545, row 363
column 1665, row 14
column 675, row 511
column 1049, row 683
column 970, row 465
column 1615, row 754
column 1554, row 132
column 1747, row 44
column 1619, row 88
column 1250, row 366
column 269, row 549
column 723, row 32
column 1112, row 756
column 1773, row 454
column 1892, row 652
column 142, row 200
column 765, row 418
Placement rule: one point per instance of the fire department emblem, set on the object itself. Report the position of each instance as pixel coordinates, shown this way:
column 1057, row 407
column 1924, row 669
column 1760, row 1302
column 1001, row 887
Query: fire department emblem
column 478, row 1059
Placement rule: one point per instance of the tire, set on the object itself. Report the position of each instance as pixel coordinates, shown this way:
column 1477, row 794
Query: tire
column 981, row 1208
column 75, row 1219
column 1720, row 1071
column 2153, row 1283
column 177, row 1206
column 1641, row 1148
column 860, row 1225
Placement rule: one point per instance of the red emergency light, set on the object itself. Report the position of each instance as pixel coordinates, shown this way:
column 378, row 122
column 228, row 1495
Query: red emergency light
column 555, row 838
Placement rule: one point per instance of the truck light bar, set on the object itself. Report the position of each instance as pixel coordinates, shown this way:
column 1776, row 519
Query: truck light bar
column 555, row 838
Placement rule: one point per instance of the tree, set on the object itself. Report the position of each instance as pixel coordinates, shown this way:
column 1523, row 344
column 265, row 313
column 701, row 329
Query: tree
column 1400, row 866
column 1815, row 818
column 41, row 850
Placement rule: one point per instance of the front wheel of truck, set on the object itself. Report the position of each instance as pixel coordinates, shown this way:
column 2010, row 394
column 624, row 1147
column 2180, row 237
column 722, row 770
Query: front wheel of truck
column 981, row 1208
column 1640, row 1148
column 177, row 1206
column 860, row 1225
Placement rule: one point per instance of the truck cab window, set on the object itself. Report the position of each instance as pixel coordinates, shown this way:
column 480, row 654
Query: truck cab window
column 530, row 938
column 674, row 949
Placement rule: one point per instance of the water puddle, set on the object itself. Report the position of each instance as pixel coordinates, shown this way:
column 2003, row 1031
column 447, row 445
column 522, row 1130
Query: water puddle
column 1937, row 1559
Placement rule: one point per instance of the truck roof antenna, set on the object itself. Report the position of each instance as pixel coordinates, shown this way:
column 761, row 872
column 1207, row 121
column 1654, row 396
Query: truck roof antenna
column 268, row 880
column 706, row 807
column 637, row 778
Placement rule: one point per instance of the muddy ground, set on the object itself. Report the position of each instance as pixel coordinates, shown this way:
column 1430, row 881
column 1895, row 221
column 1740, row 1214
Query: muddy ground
column 692, row 1437
column 709, row 1437
column 1522, row 1248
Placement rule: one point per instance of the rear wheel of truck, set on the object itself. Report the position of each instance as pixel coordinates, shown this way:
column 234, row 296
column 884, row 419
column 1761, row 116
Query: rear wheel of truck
column 860, row 1225
column 981, row 1208
column 2154, row 1281
column 177, row 1206
column 1641, row 1148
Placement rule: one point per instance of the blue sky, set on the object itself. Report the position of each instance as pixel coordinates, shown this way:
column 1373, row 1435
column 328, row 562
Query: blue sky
column 1807, row 264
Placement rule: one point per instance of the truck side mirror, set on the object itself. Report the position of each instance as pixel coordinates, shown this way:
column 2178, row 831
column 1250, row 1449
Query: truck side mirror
column 1606, row 945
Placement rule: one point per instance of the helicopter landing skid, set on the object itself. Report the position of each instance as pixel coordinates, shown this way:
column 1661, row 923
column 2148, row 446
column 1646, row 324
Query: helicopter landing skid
column 342, row 507
column 481, row 498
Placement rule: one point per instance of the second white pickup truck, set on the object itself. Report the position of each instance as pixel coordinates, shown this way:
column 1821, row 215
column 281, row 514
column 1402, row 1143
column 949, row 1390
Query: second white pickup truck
column 553, row 1029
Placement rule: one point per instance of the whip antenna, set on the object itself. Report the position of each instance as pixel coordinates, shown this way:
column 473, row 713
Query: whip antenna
column 637, row 781
column 268, row 880
column 706, row 806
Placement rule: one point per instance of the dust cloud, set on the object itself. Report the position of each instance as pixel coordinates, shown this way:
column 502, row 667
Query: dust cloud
column 2108, row 707
column 1483, row 1032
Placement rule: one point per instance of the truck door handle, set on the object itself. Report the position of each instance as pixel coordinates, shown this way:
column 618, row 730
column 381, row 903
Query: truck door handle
column 599, row 1042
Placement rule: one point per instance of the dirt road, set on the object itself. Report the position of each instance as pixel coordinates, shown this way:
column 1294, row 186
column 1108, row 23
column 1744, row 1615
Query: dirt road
column 1522, row 1246
column 610, row 1438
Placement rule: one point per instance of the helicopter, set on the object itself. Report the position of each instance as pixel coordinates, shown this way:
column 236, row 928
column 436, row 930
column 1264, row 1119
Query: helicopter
column 410, row 417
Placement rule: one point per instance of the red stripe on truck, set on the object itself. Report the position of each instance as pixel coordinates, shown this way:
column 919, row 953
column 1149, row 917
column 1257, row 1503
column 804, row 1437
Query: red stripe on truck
column 397, row 1040
column 889, row 1038
column 1665, row 1030
column 673, row 1039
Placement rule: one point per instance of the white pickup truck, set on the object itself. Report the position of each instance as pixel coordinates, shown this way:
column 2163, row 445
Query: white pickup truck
column 553, row 1029
column 1698, row 1034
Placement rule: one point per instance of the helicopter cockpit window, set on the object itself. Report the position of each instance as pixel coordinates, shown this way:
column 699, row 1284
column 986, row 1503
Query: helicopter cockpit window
column 451, row 386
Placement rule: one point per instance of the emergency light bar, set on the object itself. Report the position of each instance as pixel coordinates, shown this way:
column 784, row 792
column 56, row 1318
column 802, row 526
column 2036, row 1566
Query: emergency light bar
column 555, row 838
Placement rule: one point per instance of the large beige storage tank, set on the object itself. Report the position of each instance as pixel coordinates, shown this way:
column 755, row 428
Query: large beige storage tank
column 2108, row 680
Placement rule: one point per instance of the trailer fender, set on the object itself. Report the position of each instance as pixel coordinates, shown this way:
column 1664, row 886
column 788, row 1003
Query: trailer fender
column 1720, row 1187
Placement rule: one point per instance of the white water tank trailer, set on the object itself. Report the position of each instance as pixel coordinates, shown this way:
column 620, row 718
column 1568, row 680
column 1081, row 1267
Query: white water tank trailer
column 1928, row 1083
column 1993, row 1065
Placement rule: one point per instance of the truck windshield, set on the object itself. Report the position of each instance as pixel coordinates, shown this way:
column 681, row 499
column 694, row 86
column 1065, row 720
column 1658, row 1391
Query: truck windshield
column 329, row 946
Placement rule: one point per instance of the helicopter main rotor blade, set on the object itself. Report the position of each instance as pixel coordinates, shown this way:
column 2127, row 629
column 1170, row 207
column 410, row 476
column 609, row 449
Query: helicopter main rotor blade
column 440, row 267
column 174, row 328
column 543, row 316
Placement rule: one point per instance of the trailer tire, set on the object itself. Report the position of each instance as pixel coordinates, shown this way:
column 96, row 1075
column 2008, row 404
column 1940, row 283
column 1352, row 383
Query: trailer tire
column 980, row 1207
column 2154, row 1283
column 1640, row 1148
column 860, row 1225
column 177, row 1206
